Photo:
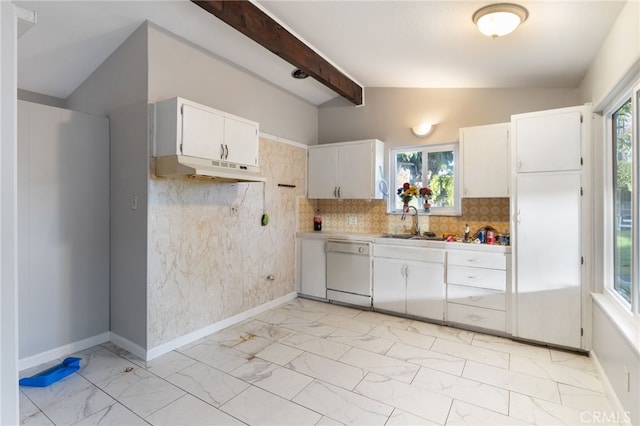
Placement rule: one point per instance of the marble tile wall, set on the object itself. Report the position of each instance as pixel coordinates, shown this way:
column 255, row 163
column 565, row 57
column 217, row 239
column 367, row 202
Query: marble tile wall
column 372, row 217
column 205, row 265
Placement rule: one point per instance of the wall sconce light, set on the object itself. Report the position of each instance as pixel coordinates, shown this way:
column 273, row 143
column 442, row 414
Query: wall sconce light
column 423, row 129
column 499, row 19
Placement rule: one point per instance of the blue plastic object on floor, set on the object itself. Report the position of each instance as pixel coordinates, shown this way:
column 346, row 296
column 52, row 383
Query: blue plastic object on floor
column 53, row 374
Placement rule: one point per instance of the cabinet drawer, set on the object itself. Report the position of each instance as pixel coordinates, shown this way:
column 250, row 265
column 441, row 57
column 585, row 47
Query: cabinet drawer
column 477, row 259
column 474, row 296
column 477, row 317
column 493, row 279
column 420, row 254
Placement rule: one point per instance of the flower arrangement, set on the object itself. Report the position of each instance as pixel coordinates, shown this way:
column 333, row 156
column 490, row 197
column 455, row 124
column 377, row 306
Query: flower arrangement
column 426, row 193
column 407, row 192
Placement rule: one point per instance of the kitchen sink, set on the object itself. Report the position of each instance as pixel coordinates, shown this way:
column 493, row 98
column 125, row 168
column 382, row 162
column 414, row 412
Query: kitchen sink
column 426, row 238
column 413, row 237
column 399, row 236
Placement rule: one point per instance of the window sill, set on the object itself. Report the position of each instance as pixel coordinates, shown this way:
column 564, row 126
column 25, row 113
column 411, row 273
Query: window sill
column 626, row 322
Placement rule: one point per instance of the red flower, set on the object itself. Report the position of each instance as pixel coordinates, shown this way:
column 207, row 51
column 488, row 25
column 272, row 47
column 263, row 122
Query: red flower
column 406, row 186
column 426, row 192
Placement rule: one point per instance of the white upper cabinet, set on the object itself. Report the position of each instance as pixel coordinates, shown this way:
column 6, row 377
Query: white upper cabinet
column 485, row 161
column 350, row 170
column 187, row 128
column 548, row 141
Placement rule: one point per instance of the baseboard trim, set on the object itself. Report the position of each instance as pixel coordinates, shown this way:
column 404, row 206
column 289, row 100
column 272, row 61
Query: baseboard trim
column 210, row 329
column 608, row 388
column 128, row 345
column 61, row 351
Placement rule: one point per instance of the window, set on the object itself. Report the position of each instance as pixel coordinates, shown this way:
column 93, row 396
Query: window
column 432, row 166
column 621, row 123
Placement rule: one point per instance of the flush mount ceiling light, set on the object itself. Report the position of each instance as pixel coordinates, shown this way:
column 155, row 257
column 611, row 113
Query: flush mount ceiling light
column 499, row 19
column 299, row 74
column 421, row 130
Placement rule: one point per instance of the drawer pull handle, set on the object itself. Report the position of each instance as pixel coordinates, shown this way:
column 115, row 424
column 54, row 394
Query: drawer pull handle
column 473, row 260
column 472, row 277
column 475, row 298
column 475, row 318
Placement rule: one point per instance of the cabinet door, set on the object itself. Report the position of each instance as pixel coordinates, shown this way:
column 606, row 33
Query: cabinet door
column 389, row 285
column 202, row 133
column 548, row 258
column 322, row 179
column 355, row 171
column 425, row 290
column 485, row 161
column 313, row 268
column 549, row 141
column 241, row 141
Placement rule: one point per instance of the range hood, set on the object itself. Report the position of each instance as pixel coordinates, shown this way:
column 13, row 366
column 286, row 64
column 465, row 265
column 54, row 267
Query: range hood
column 193, row 167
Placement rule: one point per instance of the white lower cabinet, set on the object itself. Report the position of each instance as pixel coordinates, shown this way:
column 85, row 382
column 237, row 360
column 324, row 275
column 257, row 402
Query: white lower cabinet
column 409, row 280
column 312, row 274
column 478, row 289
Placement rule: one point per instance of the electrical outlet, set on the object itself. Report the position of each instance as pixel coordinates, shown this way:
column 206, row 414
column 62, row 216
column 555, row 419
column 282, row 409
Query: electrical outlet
column 352, row 219
column 234, row 210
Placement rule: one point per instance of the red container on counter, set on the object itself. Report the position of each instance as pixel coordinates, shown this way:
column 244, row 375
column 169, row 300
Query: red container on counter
column 491, row 237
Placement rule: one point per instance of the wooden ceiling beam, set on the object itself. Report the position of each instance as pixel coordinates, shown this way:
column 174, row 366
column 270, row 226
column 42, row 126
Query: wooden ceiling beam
column 251, row 21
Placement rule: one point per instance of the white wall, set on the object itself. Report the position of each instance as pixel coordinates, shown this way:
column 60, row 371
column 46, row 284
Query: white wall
column 8, row 220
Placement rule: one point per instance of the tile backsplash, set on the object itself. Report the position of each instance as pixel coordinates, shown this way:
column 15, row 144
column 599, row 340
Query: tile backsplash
column 371, row 216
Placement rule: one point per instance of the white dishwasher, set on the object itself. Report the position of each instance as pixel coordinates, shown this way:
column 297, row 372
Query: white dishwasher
column 349, row 272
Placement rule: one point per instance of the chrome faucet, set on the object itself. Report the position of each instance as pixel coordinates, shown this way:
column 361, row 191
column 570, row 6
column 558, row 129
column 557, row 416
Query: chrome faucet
column 404, row 215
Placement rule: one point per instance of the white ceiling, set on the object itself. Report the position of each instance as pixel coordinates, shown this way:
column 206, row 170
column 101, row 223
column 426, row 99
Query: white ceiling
column 422, row 44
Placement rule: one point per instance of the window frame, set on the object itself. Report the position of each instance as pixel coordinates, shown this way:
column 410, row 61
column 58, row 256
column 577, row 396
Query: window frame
column 456, row 210
column 610, row 220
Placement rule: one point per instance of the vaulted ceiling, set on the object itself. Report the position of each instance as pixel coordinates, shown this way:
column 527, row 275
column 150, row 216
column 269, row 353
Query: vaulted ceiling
column 421, row 44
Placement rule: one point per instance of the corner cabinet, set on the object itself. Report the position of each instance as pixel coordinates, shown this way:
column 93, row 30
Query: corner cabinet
column 187, row 128
column 349, row 170
column 409, row 280
column 485, row 159
column 311, row 274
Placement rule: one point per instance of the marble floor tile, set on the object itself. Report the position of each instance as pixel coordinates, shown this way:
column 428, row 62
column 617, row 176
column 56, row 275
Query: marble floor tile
column 317, row 345
column 540, row 412
column 511, row 346
column 347, row 323
column 472, row 353
column 37, row 419
column 427, row 358
column 363, row 341
column 116, row 415
column 442, row 331
column 342, row 405
column 327, row 370
column 402, row 418
column 273, row 378
column 315, row 328
column 27, row 408
column 459, row 388
column 584, row 399
column 78, row 406
column 169, row 364
column 510, row 380
column 43, row 397
column 279, row 354
column 467, row 414
column 255, row 406
column 328, row 421
column 403, row 336
column 215, row 355
column 414, row 400
column 140, row 391
column 210, row 385
column 266, row 330
column 381, row 364
column 101, row 364
column 300, row 312
column 189, row 410
column 379, row 318
column 571, row 359
column 124, row 353
column 556, row 372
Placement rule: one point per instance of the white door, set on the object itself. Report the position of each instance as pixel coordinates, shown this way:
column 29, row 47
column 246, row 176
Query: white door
column 540, row 135
column 355, row 172
column 485, row 161
column 389, row 285
column 241, row 142
column 548, row 258
column 313, row 281
column 202, row 133
column 322, row 179
column 425, row 290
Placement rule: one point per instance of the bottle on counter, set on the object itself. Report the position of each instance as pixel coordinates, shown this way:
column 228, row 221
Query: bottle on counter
column 466, row 233
column 317, row 222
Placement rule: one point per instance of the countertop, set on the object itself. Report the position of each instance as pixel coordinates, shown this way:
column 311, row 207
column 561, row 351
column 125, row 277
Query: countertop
column 379, row 239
